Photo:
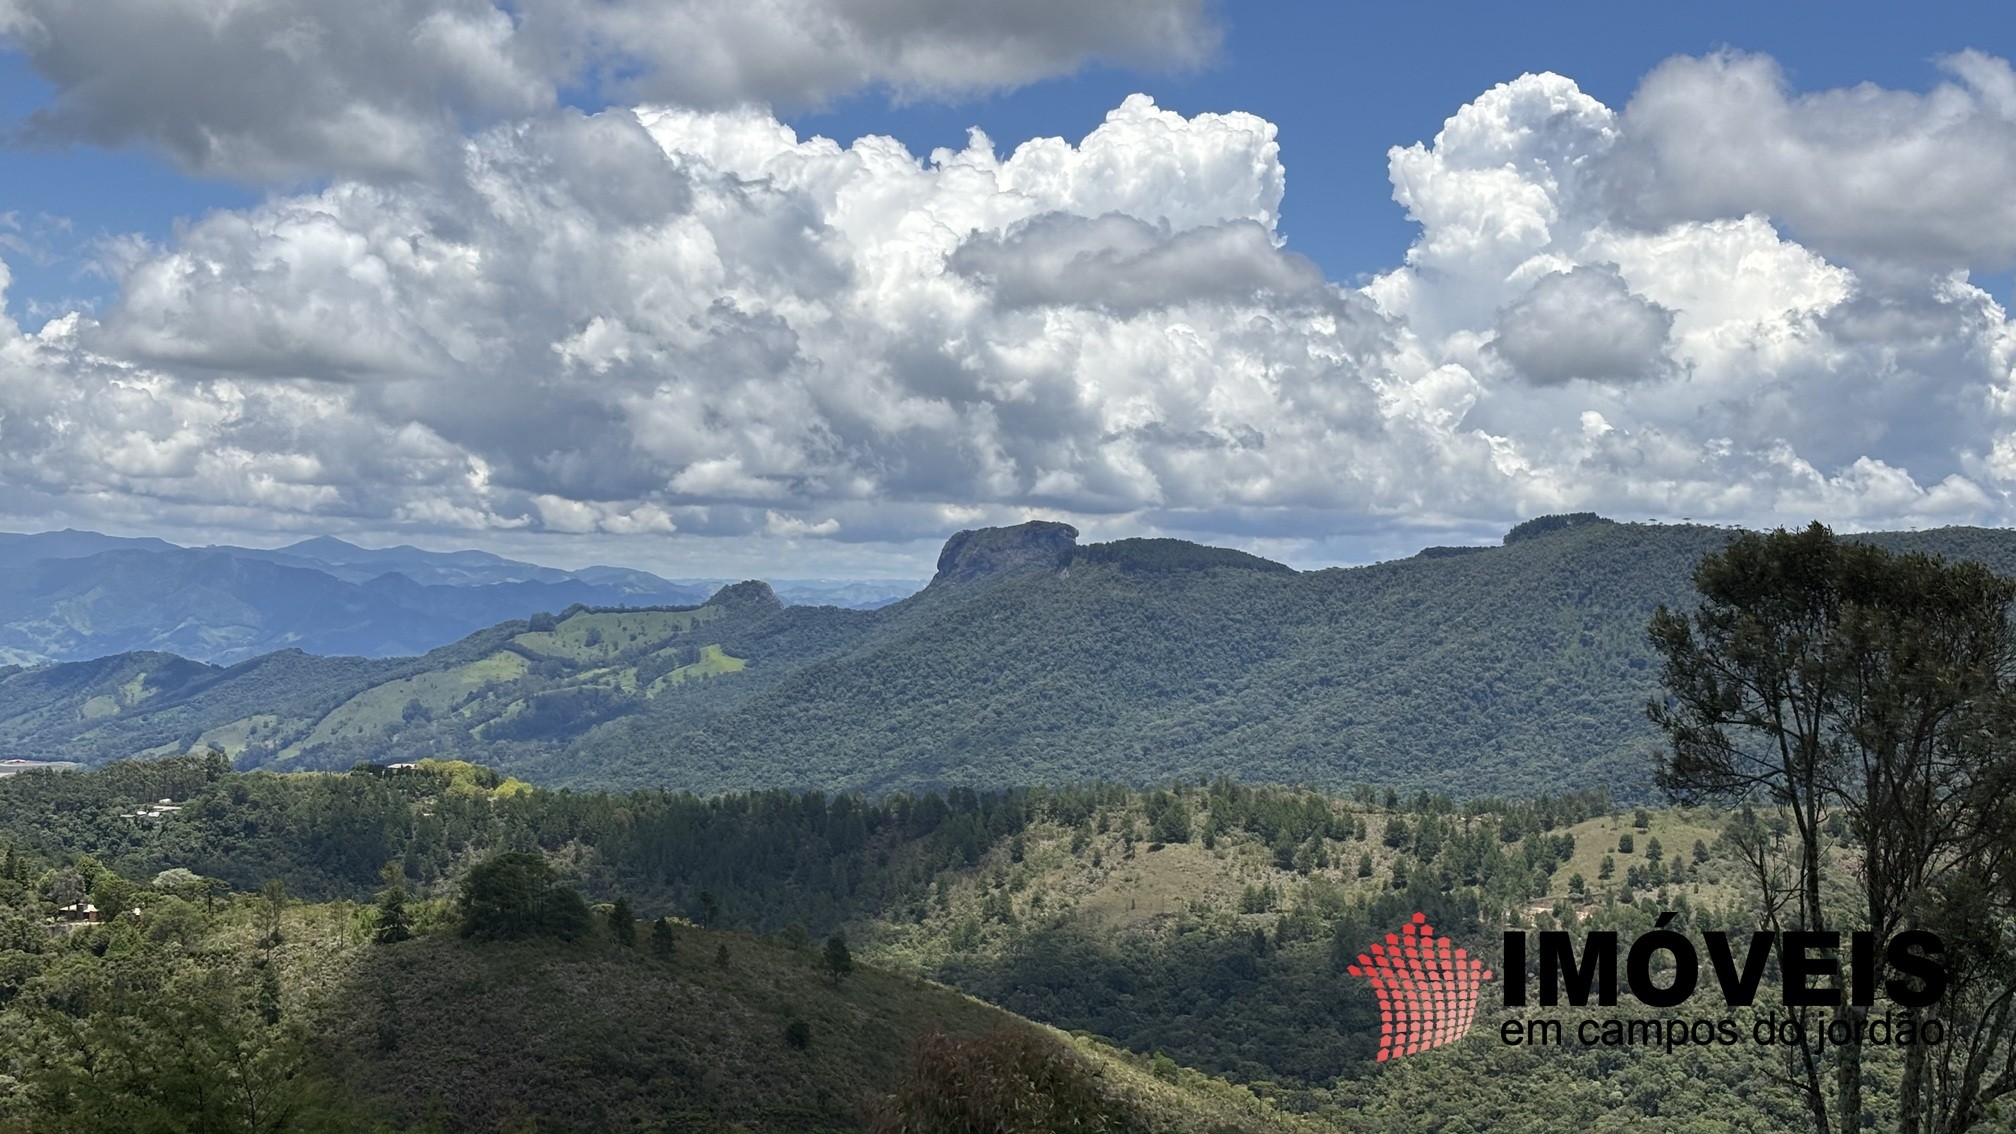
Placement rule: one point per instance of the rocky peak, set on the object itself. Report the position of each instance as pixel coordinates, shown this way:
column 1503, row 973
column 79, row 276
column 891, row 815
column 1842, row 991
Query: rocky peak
column 1039, row 545
column 753, row 593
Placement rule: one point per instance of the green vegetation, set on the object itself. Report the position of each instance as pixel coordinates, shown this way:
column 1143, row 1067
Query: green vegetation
column 1217, row 956
column 514, row 894
column 1872, row 695
column 1503, row 670
column 190, row 1010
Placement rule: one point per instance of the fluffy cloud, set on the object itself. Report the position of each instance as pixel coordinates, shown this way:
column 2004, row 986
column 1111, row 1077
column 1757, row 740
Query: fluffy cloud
column 1737, row 374
column 1861, row 173
column 693, row 321
column 1123, row 265
column 285, row 89
column 1583, row 323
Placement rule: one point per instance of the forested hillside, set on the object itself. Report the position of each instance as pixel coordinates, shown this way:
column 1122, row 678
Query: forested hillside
column 1029, row 659
column 1203, row 930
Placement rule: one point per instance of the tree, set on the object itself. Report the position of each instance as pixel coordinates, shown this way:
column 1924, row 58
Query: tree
column 394, row 923
column 1626, row 844
column 1396, row 832
column 663, row 944
column 272, row 909
column 798, row 1034
column 622, row 924
column 839, row 962
column 514, row 894
column 1838, row 681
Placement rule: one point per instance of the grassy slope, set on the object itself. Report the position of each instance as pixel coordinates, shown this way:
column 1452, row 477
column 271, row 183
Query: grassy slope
column 590, row 1036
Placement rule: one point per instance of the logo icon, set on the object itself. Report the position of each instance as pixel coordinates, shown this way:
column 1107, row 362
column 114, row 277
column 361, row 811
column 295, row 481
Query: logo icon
column 1427, row 990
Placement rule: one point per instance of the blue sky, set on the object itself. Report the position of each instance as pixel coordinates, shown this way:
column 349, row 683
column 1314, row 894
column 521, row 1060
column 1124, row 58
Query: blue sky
column 1712, row 274
column 1401, row 68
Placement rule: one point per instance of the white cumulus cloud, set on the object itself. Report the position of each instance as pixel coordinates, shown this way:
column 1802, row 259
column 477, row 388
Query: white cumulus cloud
column 690, row 322
column 289, row 89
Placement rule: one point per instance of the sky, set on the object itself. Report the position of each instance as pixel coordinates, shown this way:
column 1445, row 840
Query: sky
column 801, row 287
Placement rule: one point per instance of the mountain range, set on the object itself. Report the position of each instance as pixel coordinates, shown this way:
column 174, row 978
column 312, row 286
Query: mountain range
column 73, row 596
column 1028, row 658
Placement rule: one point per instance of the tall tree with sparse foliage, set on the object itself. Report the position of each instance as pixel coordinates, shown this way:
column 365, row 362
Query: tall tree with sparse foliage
column 1834, row 680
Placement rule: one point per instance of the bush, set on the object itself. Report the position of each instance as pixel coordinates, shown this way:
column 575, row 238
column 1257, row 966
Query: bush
column 1010, row 1080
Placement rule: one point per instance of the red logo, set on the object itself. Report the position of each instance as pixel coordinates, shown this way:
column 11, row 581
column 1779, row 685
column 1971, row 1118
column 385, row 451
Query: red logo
column 1427, row 991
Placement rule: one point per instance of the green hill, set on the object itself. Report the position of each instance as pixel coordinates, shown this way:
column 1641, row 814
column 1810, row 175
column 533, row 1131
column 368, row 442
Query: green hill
column 1029, row 659
column 1191, row 941
column 268, row 1015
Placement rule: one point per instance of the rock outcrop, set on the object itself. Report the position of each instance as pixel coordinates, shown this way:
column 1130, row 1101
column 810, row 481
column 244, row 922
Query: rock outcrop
column 754, row 592
column 986, row 553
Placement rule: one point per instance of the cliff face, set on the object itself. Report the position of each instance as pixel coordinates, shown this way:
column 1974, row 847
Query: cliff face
column 1040, row 545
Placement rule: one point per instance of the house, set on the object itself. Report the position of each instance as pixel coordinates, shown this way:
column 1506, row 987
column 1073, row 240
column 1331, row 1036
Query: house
column 152, row 812
column 79, row 913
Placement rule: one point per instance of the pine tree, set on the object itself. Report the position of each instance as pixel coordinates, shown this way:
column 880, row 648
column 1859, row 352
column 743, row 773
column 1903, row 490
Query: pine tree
column 394, row 923
column 663, row 944
column 269, row 993
column 839, row 962
column 622, row 924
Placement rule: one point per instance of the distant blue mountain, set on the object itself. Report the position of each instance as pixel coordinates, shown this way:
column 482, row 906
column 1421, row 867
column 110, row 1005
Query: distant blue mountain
column 71, row 595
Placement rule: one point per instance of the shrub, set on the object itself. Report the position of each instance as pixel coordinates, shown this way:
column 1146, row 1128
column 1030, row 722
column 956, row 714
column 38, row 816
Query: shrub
column 1010, row 1080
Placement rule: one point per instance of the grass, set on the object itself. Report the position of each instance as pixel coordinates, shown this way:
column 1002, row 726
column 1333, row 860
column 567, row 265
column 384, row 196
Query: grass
column 593, row 1036
column 713, row 662
column 1676, row 829
column 437, row 691
column 600, row 636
